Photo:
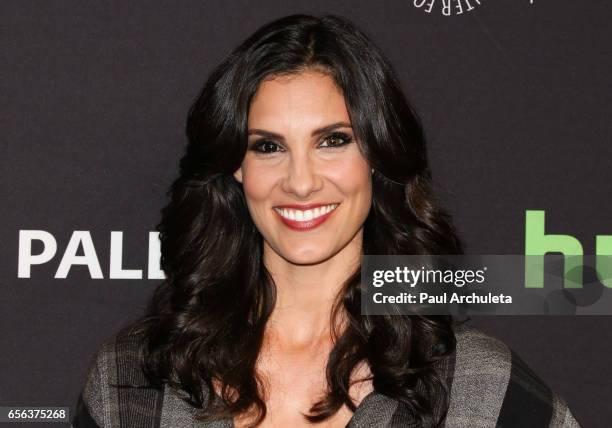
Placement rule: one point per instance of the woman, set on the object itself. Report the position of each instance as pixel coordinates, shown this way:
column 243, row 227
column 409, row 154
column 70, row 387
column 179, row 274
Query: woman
column 303, row 155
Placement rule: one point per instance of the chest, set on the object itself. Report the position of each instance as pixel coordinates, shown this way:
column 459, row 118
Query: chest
column 293, row 384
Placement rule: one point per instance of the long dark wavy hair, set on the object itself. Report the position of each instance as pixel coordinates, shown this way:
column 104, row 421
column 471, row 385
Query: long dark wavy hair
column 205, row 322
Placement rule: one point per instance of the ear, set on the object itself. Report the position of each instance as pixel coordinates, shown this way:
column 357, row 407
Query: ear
column 238, row 175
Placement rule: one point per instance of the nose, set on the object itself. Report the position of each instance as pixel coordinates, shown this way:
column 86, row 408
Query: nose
column 301, row 178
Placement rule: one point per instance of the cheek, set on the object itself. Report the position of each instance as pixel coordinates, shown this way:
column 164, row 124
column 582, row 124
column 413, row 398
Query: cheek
column 352, row 175
column 256, row 182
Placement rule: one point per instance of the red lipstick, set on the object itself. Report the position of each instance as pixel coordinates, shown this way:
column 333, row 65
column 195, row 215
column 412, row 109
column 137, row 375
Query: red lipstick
column 305, row 225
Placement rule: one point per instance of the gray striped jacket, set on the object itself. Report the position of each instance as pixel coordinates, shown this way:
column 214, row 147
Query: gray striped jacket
column 490, row 386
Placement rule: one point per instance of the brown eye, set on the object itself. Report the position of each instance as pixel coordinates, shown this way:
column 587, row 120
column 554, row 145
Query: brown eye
column 337, row 139
column 264, row 147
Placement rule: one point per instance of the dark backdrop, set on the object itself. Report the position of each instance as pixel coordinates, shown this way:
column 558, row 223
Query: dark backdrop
column 515, row 99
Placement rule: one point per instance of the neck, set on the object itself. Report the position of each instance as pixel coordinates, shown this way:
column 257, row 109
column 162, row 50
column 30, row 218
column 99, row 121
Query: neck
column 305, row 295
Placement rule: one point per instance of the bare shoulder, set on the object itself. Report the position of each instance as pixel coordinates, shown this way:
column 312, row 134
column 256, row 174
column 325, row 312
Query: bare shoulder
column 492, row 386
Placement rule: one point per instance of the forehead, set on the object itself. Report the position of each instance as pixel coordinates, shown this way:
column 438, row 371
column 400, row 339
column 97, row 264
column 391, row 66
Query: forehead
column 310, row 98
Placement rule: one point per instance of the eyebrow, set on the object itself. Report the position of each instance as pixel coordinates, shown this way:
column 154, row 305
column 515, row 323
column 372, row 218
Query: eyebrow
column 314, row 133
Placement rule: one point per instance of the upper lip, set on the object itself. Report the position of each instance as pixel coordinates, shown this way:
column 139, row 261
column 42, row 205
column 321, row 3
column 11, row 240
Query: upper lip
column 303, row 207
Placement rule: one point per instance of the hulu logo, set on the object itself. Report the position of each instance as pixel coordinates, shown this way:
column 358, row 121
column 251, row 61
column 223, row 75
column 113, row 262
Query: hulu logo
column 538, row 243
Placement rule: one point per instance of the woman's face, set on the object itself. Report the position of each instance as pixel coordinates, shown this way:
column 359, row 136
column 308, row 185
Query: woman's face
column 307, row 185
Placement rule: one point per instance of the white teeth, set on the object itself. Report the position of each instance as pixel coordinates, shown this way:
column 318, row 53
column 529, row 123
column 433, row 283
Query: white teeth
column 299, row 215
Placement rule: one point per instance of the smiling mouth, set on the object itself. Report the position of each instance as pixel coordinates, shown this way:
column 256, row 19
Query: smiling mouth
column 305, row 219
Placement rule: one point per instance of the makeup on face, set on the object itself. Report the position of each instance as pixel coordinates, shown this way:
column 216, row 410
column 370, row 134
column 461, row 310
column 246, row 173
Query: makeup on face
column 306, row 182
column 305, row 217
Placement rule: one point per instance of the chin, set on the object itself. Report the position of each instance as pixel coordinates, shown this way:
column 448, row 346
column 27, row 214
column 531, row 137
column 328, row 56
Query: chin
column 307, row 256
